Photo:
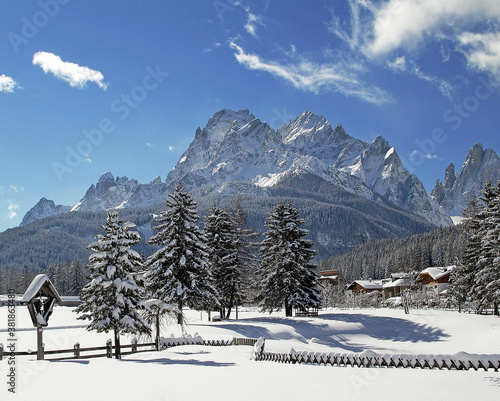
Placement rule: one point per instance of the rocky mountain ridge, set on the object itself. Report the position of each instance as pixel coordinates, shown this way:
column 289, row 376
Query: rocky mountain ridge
column 480, row 166
column 235, row 147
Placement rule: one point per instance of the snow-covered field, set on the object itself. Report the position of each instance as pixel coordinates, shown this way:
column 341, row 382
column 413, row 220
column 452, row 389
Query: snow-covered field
column 228, row 373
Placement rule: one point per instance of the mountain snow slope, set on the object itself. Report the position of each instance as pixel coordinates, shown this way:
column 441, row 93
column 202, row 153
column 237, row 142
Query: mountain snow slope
column 251, row 151
column 44, row 208
column 235, row 146
column 456, row 191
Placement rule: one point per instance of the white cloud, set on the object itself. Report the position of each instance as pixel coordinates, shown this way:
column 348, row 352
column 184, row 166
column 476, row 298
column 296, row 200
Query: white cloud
column 16, row 189
column 398, row 64
column 11, row 210
column 406, row 23
column 444, row 87
column 150, row 145
column 213, row 46
column 417, row 154
column 312, row 77
column 482, row 51
column 76, row 75
column 7, row 84
column 252, row 22
column 171, row 148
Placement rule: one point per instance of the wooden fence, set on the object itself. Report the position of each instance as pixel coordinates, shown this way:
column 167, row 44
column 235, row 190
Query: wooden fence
column 450, row 362
column 108, row 350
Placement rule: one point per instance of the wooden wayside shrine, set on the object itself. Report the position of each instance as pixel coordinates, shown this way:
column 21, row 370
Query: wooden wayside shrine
column 40, row 297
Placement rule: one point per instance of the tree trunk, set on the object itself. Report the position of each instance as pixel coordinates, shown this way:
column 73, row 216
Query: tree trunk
column 495, row 308
column 158, row 331
column 179, row 314
column 288, row 309
column 117, row 345
column 228, row 312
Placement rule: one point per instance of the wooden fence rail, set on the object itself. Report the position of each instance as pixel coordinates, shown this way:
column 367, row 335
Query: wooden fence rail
column 449, row 362
column 135, row 347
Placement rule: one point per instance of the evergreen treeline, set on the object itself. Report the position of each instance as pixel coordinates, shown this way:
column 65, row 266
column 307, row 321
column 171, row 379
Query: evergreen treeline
column 193, row 267
column 377, row 259
column 477, row 280
column 68, row 277
column 338, row 221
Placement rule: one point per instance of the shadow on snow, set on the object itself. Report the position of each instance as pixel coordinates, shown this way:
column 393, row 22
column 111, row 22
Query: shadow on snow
column 324, row 330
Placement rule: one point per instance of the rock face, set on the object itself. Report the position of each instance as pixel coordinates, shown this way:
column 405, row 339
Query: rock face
column 480, row 166
column 44, row 208
column 119, row 193
column 236, row 148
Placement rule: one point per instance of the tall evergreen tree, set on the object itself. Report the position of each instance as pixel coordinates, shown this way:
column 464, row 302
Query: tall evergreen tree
column 112, row 297
column 220, row 231
column 77, row 279
column 177, row 273
column 463, row 276
column 488, row 264
column 247, row 246
column 287, row 275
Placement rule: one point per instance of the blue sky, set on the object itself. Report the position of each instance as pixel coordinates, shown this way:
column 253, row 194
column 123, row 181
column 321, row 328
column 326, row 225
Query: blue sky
column 91, row 86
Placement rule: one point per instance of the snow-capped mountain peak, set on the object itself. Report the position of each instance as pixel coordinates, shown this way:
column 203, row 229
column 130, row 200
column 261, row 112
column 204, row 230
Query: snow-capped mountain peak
column 235, row 147
column 44, row 208
column 480, row 166
column 107, row 176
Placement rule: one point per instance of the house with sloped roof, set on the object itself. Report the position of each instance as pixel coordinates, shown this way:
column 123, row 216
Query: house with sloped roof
column 365, row 286
column 398, row 283
column 333, row 278
column 434, row 280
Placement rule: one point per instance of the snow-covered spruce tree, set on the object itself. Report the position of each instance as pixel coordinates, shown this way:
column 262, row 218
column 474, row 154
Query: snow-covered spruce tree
column 487, row 279
column 287, row 275
column 463, row 276
column 220, row 232
column 177, row 273
column 111, row 298
column 77, row 278
column 248, row 246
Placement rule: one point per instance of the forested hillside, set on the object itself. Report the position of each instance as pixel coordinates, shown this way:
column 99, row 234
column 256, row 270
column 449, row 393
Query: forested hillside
column 337, row 219
column 377, row 259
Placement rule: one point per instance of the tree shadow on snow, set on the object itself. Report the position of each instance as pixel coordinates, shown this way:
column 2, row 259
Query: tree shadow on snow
column 324, row 331
column 195, row 362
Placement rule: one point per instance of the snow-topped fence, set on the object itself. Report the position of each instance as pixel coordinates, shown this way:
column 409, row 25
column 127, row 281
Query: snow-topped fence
column 370, row 359
column 108, row 350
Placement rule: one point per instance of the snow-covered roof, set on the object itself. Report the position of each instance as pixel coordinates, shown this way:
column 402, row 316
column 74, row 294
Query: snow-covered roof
column 368, row 284
column 398, row 275
column 437, row 272
column 43, row 284
column 402, row 282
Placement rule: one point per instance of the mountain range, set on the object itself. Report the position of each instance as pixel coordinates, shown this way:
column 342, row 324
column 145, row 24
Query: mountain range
column 457, row 190
column 349, row 190
column 236, row 147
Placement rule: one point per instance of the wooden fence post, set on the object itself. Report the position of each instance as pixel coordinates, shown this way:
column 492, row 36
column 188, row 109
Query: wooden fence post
column 40, row 344
column 76, row 350
column 1, row 351
column 134, row 345
column 109, row 349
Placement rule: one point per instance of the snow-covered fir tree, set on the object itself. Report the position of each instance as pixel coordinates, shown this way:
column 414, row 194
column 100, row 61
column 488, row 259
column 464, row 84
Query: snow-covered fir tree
column 248, row 246
column 220, row 232
column 112, row 297
column 463, row 276
column 177, row 272
column 487, row 280
column 77, row 279
column 287, row 275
